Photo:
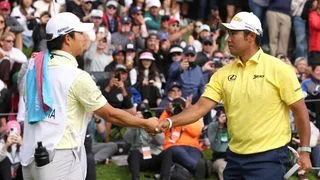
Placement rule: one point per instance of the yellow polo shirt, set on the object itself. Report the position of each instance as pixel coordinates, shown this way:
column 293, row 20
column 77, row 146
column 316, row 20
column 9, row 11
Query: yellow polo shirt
column 83, row 96
column 256, row 98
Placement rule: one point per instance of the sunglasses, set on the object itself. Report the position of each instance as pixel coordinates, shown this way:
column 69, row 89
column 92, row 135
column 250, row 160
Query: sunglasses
column 207, row 44
column 176, row 54
column 111, row 7
column 96, row 17
column 190, row 55
column 104, row 40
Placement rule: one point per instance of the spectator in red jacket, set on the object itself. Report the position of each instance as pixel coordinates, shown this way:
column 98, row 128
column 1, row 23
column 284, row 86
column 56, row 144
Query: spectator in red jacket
column 110, row 17
column 314, row 34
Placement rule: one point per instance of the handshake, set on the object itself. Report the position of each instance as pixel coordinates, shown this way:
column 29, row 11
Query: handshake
column 154, row 126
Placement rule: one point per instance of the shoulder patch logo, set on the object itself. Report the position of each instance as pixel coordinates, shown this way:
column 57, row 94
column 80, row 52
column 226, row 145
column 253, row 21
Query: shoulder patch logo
column 232, row 77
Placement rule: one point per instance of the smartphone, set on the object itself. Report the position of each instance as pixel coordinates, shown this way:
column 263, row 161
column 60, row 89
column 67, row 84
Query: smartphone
column 117, row 76
column 13, row 131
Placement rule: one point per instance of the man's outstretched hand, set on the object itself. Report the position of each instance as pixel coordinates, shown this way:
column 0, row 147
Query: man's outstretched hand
column 162, row 126
column 152, row 125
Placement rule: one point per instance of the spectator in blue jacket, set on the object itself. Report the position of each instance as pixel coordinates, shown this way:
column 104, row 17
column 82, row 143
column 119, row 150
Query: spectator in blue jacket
column 188, row 74
column 311, row 88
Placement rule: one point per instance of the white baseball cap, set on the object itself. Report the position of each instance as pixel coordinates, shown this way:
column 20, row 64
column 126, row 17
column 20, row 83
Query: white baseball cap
column 154, row 3
column 64, row 23
column 96, row 13
column 112, row 3
column 245, row 21
column 146, row 55
column 204, row 27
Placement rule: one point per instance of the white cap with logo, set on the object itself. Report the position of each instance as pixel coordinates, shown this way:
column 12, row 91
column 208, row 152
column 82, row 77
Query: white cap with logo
column 96, row 13
column 245, row 21
column 64, row 23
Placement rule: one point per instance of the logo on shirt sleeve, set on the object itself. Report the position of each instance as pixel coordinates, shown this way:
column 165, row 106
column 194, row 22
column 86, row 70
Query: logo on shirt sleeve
column 232, row 77
column 297, row 89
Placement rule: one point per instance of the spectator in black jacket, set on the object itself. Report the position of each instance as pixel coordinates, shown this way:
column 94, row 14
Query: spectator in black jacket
column 39, row 33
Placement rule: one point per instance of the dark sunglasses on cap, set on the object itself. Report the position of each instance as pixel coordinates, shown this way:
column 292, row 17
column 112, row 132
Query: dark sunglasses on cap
column 207, row 43
column 190, row 54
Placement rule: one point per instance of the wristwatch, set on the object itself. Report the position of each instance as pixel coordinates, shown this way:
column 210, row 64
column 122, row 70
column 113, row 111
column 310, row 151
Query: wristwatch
column 304, row 149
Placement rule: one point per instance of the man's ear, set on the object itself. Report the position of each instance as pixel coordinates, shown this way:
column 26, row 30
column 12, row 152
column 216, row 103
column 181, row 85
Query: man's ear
column 252, row 36
column 67, row 38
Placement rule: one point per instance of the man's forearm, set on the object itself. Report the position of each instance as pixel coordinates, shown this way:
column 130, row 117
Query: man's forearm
column 194, row 113
column 303, row 128
column 120, row 117
column 302, row 122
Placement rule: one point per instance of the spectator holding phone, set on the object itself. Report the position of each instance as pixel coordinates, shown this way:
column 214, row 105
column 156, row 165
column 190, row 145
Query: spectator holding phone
column 10, row 166
column 148, row 79
column 118, row 95
column 188, row 74
column 96, row 57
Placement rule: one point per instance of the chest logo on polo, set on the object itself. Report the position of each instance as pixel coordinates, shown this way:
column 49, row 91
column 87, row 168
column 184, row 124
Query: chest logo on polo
column 232, row 77
column 119, row 97
column 255, row 76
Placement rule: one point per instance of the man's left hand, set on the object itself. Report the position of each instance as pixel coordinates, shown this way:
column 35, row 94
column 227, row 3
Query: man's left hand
column 152, row 125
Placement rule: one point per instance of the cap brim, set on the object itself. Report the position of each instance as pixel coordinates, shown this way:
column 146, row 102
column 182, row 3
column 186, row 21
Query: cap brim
column 189, row 52
column 175, row 86
column 83, row 27
column 175, row 50
column 231, row 27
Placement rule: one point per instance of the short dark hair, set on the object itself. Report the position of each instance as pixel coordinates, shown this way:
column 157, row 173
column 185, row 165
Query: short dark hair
column 56, row 44
column 258, row 37
column 313, row 66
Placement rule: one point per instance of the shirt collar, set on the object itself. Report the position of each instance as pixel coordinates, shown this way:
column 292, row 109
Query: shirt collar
column 65, row 55
column 255, row 58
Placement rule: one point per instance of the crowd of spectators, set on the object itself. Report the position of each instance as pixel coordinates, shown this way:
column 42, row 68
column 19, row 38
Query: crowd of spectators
column 156, row 53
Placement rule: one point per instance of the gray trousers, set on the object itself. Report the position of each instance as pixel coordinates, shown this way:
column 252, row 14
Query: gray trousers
column 279, row 26
column 102, row 151
column 65, row 165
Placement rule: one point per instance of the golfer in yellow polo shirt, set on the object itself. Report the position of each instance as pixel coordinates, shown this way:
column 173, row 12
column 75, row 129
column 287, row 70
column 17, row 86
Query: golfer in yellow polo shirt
column 258, row 91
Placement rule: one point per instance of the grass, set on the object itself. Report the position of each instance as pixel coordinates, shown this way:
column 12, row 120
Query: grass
column 114, row 172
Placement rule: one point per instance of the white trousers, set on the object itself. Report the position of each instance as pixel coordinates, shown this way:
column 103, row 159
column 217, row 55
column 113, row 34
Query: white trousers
column 66, row 165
